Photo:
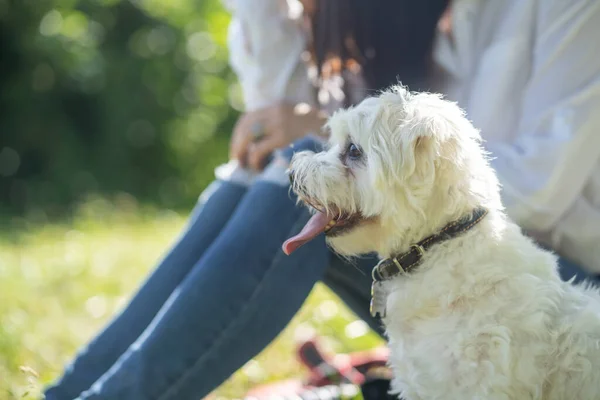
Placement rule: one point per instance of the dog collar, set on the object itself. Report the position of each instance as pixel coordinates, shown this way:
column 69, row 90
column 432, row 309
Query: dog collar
column 405, row 263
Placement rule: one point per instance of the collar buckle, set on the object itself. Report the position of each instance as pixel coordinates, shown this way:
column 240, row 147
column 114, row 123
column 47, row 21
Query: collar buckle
column 419, row 249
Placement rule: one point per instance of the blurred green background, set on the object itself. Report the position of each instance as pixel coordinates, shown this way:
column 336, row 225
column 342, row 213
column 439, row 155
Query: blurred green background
column 113, row 115
column 109, row 96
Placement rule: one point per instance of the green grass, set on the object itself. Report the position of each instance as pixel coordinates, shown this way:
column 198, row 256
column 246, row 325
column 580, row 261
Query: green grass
column 59, row 283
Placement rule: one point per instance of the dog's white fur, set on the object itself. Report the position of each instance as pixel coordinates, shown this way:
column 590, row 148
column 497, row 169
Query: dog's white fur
column 485, row 316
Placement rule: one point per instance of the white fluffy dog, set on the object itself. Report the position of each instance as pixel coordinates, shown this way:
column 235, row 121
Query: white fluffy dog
column 482, row 314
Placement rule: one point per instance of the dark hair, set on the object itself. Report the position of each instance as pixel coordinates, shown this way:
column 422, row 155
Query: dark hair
column 390, row 40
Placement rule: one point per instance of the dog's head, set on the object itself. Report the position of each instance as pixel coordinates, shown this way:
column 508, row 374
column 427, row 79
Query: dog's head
column 398, row 167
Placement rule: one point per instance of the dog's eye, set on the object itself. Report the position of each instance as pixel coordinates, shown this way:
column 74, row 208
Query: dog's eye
column 354, row 152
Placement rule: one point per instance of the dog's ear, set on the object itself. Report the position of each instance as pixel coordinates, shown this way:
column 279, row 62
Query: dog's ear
column 435, row 127
column 423, row 147
column 418, row 131
column 408, row 135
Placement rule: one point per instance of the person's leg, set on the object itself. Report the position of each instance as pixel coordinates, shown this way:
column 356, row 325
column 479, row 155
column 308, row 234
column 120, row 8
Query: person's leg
column 214, row 209
column 240, row 294
column 569, row 270
column 351, row 282
column 238, row 297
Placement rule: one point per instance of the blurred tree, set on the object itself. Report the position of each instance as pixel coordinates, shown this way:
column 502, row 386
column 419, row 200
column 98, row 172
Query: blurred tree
column 105, row 96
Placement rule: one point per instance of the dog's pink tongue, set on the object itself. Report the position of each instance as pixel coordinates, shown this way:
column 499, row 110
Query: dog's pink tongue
column 313, row 227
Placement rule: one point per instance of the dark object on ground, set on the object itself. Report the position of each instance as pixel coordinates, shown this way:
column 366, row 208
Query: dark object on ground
column 354, row 376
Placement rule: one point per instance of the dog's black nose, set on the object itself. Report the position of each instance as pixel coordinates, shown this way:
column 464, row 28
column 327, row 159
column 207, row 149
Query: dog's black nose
column 291, row 176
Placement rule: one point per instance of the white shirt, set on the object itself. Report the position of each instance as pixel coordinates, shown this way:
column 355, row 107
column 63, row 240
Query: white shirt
column 527, row 72
column 266, row 41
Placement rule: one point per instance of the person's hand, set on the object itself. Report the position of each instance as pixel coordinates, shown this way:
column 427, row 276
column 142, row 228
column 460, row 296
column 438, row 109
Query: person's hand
column 258, row 133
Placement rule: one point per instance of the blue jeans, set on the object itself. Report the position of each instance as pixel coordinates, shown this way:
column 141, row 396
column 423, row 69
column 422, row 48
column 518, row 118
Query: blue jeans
column 222, row 293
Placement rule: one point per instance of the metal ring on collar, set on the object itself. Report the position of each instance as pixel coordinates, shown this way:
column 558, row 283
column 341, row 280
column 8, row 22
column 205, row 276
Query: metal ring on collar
column 375, row 273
